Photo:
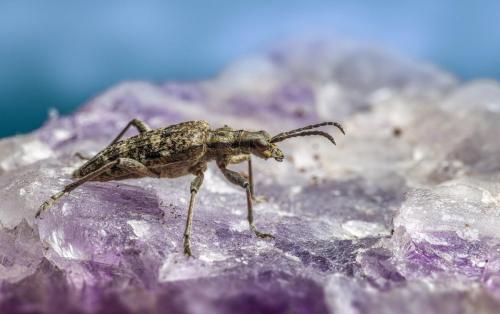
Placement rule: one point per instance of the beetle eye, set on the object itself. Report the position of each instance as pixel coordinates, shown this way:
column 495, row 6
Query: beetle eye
column 261, row 143
column 265, row 134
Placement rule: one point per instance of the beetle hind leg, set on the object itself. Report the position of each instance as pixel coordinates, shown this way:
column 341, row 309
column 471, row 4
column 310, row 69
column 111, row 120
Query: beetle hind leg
column 138, row 124
column 127, row 164
column 81, row 156
column 73, row 185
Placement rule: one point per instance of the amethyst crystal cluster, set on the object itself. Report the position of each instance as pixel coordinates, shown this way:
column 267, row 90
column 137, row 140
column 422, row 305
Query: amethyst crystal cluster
column 402, row 216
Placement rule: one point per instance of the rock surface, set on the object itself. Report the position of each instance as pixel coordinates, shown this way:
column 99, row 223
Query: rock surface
column 402, row 216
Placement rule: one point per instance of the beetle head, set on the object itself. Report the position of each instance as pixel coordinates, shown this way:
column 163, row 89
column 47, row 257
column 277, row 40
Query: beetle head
column 259, row 144
column 263, row 145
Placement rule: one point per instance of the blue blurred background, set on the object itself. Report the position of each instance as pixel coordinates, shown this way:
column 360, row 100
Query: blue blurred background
column 57, row 54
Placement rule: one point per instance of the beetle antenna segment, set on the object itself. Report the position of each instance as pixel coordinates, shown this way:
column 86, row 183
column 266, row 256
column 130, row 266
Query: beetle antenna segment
column 309, row 127
column 306, row 133
column 299, row 132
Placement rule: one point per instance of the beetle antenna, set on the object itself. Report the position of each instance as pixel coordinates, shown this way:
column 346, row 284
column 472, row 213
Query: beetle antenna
column 306, row 133
column 309, row 127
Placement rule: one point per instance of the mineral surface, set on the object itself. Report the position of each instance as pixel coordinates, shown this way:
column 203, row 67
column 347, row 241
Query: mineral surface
column 402, row 216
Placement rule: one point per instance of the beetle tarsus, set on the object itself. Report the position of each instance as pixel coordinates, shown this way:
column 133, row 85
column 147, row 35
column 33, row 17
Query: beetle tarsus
column 261, row 235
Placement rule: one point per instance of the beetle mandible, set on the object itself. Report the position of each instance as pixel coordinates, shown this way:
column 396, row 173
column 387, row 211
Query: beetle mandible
column 182, row 149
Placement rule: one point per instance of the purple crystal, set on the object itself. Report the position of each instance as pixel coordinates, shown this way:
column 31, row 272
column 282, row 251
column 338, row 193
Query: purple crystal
column 401, row 216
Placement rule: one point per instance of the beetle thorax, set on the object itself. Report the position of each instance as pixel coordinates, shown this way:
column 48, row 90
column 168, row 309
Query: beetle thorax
column 225, row 141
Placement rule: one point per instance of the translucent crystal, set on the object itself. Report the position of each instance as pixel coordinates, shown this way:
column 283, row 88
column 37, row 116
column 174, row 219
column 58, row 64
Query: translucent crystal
column 401, row 216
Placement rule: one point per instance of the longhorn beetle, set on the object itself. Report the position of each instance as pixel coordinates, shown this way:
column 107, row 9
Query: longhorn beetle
column 182, row 149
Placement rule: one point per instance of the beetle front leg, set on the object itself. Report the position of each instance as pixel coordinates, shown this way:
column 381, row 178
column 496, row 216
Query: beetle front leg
column 257, row 199
column 241, row 158
column 195, row 186
column 240, row 180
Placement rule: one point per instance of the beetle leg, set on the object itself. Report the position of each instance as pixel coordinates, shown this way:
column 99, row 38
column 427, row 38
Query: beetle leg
column 139, row 125
column 236, row 159
column 240, row 180
column 241, row 158
column 70, row 187
column 195, row 186
column 81, row 156
column 250, row 177
column 124, row 163
column 136, row 167
column 259, row 198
